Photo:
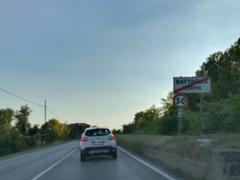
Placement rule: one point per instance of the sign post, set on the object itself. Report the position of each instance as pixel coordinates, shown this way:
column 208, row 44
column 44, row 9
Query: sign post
column 188, row 85
column 180, row 117
column 181, row 101
column 201, row 113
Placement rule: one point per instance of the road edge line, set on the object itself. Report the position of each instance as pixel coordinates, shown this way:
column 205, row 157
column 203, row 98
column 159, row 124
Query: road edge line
column 165, row 175
column 53, row 165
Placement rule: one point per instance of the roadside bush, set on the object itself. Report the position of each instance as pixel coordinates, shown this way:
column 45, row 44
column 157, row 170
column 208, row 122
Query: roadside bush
column 223, row 116
column 168, row 122
column 191, row 122
column 11, row 141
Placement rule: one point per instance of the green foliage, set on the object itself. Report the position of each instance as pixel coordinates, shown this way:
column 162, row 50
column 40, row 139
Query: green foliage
column 34, row 130
column 221, row 106
column 224, row 71
column 23, row 136
column 11, row 141
column 22, row 117
column 54, row 130
column 6, row 118
column 191, row 122
column 14, row 139
column 128, row 128
column 116, row 131
column 223, row 116
column 146, row 121
column 168, row 122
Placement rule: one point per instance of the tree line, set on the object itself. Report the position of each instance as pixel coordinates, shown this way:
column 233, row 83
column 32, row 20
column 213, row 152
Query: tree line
column 221, row 107
column 17, row 133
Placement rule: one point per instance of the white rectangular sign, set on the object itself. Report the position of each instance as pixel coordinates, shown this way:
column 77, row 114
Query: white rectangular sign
column 191, row 85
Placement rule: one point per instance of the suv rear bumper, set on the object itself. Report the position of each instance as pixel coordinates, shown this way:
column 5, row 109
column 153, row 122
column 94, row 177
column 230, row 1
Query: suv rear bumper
column 108, row 150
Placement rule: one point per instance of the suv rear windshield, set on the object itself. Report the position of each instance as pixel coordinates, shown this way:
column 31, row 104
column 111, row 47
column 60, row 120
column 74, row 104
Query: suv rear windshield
column 97, row 132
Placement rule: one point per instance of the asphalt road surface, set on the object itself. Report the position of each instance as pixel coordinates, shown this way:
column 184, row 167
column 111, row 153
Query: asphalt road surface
column 63, row 162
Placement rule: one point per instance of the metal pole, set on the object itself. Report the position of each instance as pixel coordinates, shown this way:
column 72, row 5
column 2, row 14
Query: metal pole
column 181, row 119
column 45, row 111
column 201, row 113
column 179, row 132
column 180, row 116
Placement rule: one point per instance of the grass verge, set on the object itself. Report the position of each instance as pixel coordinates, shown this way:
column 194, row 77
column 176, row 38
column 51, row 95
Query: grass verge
column 191, row 149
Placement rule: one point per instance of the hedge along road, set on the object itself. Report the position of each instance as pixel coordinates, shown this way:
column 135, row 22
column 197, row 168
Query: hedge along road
column 63, row 162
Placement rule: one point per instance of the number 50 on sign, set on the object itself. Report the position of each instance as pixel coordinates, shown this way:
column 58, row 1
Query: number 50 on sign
column 180, row 100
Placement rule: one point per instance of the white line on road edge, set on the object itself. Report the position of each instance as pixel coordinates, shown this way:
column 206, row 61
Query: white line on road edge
column 53, row 165
column 165, row 175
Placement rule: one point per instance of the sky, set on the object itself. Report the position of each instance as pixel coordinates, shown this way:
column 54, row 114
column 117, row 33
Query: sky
column 100, row 62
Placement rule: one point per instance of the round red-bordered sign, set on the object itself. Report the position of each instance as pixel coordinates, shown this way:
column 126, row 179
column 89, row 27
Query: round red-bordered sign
column 180, row 100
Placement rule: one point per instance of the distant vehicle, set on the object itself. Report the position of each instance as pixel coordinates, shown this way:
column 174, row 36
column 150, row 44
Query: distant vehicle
column 97, row 141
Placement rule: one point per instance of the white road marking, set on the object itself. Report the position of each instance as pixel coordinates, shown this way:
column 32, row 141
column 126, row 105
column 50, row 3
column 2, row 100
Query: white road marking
column 165, row 175
column 53, row 165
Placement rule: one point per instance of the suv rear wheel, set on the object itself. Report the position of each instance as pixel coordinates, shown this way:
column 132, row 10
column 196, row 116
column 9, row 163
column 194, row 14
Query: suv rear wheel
column 82, row 157
column 114, row 155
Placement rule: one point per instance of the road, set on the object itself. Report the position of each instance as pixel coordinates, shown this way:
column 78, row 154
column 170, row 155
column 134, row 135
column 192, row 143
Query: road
column 63, row 162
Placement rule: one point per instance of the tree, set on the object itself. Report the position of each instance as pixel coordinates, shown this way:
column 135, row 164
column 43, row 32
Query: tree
column 116, row 131
column 129, row 128
column 168, row 121
column 144, row 122
column 10, row 140
column 22, row 117
column 33, row 130
column 6, row 118
column 224, row 70
column 55, row 130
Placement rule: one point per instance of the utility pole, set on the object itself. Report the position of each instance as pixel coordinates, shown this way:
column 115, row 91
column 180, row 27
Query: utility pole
column 45, row 111
column 45, row 138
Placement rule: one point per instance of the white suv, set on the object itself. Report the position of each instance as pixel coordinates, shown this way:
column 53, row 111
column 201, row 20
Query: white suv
column 96, row 141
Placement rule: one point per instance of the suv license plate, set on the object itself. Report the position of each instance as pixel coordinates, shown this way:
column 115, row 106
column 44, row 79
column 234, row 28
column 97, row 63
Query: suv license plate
column 98, row 142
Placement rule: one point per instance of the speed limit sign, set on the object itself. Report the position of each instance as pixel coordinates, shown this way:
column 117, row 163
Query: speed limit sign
column 181, row 101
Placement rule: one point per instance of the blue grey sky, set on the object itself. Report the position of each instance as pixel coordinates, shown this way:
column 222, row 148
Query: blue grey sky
column 101, row 61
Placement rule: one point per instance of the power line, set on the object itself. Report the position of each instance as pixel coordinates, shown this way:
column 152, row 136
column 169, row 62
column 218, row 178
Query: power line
column 55, row 114
column 30, row 101
column 21, row 98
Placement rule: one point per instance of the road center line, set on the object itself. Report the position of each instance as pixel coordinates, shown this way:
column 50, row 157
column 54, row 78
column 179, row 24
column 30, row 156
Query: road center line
column 53, row 165
column 165, row 175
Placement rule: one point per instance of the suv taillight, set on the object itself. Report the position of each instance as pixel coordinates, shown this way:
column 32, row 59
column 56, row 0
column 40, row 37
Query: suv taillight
column 112, row 137
column 84, row 139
